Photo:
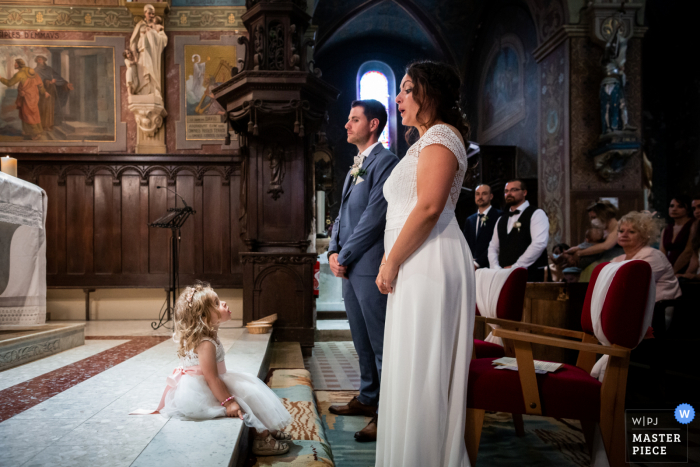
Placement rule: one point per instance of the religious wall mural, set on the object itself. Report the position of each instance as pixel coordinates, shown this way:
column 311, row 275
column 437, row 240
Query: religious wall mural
column 57, row 94
column 206, row 67
column 208, row 2
column 502, row 102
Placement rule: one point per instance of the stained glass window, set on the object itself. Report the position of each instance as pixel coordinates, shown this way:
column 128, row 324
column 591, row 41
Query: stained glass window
column 375, row 85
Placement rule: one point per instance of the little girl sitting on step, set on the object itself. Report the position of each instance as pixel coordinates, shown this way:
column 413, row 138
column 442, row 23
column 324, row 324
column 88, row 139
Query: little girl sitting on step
column 201, row 388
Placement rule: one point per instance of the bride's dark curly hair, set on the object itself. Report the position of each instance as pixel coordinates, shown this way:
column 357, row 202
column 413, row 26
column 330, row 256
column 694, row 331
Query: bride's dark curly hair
column 436, row 90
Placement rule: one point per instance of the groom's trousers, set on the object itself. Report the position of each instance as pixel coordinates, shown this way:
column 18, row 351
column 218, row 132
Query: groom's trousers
column 366, row 310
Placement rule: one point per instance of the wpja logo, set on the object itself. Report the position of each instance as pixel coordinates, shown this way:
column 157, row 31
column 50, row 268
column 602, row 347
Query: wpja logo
column 655, row 436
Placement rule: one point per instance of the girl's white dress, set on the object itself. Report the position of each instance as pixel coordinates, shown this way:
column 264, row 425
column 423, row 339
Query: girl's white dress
column 189, row 396
column 429, row 325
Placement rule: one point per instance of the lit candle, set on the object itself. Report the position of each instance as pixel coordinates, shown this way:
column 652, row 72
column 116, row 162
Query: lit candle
column 9, row 165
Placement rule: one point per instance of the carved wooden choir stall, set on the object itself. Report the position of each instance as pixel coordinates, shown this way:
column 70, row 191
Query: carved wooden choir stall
column 275, row 104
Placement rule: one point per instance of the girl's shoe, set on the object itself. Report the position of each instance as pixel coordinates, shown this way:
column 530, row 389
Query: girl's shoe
column 281, row 435
column 269, row 447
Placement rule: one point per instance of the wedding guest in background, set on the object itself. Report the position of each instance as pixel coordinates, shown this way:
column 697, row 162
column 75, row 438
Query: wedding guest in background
column 355, row 254
column 603, row 215
column 693, row 271
column 557, row 262
column 521, row 235
column 676, row 235
column 695, row 205
column 637, row 231
column 478, row 228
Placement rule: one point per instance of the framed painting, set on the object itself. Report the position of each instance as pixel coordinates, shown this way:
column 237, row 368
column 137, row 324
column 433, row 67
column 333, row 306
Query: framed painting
column 204, row 65
column 501, row 90
column 54, row 93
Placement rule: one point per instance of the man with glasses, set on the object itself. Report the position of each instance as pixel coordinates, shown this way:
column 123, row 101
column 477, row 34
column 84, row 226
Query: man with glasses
column 521, row 235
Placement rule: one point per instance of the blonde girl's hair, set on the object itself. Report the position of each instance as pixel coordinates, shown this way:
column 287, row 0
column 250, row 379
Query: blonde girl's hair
column 194, row 312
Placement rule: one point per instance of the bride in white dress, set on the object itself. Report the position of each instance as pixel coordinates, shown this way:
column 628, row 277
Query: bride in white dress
column 428, row 273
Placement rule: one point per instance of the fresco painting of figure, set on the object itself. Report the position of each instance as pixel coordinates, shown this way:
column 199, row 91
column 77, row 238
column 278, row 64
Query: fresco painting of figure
column 57, row 93
column 206, row 67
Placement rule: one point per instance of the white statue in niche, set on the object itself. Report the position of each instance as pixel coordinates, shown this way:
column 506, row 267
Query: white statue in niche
column 147, row 44
column 144, row 61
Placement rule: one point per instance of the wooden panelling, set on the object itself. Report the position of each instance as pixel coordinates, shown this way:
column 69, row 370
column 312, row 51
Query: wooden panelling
column 130, row 224
column 52, row 246
column 98, row 215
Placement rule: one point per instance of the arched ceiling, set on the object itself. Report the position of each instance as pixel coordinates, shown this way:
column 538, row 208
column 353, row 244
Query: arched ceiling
column 447, row 27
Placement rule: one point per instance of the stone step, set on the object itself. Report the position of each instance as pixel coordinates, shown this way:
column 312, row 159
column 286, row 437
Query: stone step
column 179, row 442
column 326, row 315
column 23, row 344
column 332, row 330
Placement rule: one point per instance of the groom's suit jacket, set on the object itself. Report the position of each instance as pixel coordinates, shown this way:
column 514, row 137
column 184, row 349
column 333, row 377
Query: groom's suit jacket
column 358, row 231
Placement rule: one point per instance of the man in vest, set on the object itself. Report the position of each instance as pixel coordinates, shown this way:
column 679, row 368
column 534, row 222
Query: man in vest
column 521, row 235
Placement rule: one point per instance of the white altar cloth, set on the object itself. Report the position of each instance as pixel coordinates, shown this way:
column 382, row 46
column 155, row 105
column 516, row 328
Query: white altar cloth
column 23, row 208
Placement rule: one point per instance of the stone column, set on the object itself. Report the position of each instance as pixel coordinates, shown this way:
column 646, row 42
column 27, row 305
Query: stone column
column 569, row 58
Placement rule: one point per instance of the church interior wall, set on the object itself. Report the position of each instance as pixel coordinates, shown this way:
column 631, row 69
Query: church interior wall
column 101, row 194
column 504, row 90
column 671, row 100
column 123, row 304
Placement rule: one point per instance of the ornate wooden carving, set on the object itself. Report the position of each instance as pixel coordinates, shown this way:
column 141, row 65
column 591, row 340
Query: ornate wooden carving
column 275, row 104
column 281, row 283
column 275, row 155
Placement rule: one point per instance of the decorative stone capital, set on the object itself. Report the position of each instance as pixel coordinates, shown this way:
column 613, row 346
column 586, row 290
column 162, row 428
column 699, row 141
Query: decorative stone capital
column 607, row 18
column 149, row 115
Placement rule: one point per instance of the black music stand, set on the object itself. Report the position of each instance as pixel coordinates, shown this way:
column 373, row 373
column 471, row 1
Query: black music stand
column 173, row 220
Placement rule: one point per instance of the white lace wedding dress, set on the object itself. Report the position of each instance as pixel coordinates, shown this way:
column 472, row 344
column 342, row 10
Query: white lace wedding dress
column 429, row 325
column 192, row 398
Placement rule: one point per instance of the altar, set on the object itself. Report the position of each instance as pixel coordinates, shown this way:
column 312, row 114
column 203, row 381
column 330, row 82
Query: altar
column 23, row 208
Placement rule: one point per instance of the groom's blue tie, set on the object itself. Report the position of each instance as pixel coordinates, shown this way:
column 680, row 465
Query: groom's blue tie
column 478, row 224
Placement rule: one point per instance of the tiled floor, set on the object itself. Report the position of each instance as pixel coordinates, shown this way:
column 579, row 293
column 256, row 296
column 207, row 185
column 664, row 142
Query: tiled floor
column 72, row 408
column 334, row 366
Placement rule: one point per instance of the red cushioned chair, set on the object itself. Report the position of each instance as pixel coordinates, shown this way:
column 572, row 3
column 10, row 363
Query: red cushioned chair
column 570, row 392
column 509, row 307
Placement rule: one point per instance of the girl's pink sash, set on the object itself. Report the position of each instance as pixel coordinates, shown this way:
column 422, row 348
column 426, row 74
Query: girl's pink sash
column 172, row 382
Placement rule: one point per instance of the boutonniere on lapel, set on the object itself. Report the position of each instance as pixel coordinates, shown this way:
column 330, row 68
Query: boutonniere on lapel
column 484, row 219
column 517, row 225
column 357, row 173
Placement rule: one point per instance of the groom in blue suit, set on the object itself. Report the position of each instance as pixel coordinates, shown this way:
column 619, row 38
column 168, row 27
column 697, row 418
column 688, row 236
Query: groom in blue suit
column 355, row 253
column 478, row 228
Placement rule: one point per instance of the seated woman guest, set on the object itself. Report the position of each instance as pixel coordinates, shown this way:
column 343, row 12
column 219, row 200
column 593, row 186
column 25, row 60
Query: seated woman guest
column 675, row 236
column 638, row 230
column 603, row 215
column 693, row 271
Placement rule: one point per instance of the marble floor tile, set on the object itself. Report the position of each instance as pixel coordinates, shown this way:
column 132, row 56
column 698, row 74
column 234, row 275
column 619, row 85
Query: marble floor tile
column 53, row 362
column 23, row 396
column 86, row 455
column 116, row 430
column 179, row 443
column 79, row 408
column 15, row 455
column 30, row 432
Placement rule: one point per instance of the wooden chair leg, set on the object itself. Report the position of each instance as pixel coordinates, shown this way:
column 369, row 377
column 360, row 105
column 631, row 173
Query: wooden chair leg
column 519, row 424
column 588, row 428
column 472, row 433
